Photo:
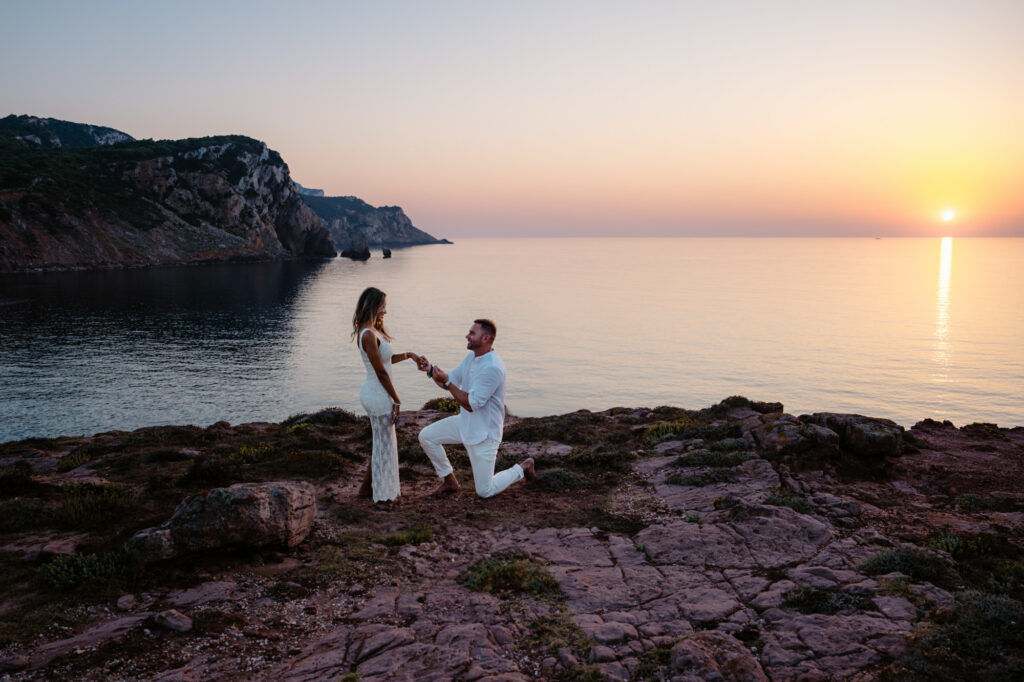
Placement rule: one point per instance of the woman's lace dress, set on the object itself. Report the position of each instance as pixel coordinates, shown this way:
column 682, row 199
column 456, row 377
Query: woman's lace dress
column 378, row 405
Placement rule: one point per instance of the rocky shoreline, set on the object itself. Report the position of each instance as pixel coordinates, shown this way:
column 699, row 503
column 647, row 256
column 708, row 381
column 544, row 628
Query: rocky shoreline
column 734, row 542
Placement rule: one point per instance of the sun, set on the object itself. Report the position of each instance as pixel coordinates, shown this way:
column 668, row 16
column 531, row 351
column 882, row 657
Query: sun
column 947, row 214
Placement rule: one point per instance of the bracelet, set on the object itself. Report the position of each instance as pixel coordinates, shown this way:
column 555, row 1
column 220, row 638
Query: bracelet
column 448, row 383
column 396, row 404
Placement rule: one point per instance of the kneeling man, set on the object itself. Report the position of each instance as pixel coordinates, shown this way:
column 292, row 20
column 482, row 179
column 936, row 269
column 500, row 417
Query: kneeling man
column 478, row 386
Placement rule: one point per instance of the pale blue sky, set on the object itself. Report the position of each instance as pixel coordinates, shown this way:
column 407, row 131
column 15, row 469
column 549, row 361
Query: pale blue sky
column 569, row 118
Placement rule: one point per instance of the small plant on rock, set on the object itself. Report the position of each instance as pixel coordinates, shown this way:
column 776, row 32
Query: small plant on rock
column 413, row 536
column 94, row 506
column 795, row 502
column 509, row 573
column 701, row 480
column 443, row 404
column 68, row 572
column 817, row 600
column 707, row 458
column 916, row 563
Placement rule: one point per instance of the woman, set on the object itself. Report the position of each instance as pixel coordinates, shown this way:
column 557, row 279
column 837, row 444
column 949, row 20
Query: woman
column 378, row 395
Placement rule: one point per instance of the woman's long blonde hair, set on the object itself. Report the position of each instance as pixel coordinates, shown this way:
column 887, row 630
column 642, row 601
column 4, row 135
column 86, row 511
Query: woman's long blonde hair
column 369, row 303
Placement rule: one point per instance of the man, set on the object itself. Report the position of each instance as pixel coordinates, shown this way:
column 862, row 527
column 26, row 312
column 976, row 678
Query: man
column 478, row 386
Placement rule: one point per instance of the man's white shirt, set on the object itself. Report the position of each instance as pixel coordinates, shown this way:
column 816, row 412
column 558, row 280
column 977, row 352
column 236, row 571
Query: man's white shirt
column 483, row 378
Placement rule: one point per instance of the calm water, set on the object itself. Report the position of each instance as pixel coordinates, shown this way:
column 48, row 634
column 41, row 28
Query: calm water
column 897, row 328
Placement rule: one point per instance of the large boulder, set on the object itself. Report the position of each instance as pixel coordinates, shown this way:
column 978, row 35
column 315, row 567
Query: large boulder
column 859, row 435
column 784, row 436
column 243, row 515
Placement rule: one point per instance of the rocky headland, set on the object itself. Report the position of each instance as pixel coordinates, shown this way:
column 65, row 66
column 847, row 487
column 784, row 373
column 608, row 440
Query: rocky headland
column 735, row 542
column 357, row 227
column 77, row 196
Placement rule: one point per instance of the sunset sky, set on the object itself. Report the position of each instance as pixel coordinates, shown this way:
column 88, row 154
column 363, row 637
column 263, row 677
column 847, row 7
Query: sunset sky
column 585, row 118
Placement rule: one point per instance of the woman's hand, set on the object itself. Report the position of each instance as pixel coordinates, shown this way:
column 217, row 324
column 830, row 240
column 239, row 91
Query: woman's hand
column 395, row 409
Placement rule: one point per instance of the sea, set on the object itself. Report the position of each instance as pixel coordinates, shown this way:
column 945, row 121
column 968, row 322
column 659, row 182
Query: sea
column 904, row 329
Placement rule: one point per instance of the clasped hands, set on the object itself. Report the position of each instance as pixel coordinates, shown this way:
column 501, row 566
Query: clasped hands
column 439, row 376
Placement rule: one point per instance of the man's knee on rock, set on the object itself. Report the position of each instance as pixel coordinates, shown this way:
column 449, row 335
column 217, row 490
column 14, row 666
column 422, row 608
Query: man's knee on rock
column 485, row 491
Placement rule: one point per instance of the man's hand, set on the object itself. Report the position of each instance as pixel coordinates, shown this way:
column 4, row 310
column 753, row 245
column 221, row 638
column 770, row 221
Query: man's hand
column 440, row 376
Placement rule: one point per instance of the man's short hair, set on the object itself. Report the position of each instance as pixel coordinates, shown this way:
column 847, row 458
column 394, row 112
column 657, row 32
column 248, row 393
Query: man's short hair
column 488, row 327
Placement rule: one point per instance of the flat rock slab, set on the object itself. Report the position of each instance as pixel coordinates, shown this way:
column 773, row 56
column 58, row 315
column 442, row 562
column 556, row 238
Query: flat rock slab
column 95, row 636
column 779, row 537
column 755, row 480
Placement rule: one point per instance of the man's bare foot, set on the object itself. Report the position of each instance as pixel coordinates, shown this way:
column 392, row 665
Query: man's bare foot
column 529, row 468
column 447, row 486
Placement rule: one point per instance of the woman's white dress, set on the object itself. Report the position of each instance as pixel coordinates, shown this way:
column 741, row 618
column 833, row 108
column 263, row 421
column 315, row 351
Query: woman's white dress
column 378, row 405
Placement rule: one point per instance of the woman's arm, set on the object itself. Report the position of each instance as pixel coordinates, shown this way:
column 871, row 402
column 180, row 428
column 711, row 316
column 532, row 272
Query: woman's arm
column 398, row 357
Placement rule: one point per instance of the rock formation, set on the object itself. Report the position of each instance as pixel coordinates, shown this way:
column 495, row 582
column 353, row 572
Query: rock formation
column 242, row 515
column 149, row 203
column 353, row 224
column 733, row 543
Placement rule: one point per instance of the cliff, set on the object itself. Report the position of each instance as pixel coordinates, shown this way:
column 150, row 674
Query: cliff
column 357, row 226
column 141, row 203
column 48, row 133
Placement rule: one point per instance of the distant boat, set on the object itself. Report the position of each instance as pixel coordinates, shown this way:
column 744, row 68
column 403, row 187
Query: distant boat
column 386, row 251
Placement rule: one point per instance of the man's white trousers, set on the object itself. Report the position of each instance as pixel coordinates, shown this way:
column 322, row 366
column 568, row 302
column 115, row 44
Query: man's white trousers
column 481, row 457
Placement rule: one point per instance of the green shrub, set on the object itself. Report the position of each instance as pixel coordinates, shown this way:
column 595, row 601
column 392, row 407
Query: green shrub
column 89, row 506
column 729, row 444
column 706, row 458
column 442, row 404
column 701, row 480
column 413, row 536
column 556, row 631
column 983, row 640
column 600, row 456
column 24, row 513
column 817, row 600
column 756, row 405
column 678, row 427
column 509, row 573
column 971, row 502
column 331, row 416
column 72, row 461
column 726, row 502
column 69, row 572
column 796, row 502
column 163, row 435
column 247, row 454
column 916, row 563
column 962, row 547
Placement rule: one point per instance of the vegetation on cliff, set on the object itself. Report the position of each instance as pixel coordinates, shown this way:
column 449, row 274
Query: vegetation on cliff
column 146, row 202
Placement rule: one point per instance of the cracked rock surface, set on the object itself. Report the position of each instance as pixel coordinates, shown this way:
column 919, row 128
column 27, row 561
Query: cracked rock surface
column 728, row 544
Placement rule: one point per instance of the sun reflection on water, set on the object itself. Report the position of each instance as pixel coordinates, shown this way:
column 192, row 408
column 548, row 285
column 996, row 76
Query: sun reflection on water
column 943, row 347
